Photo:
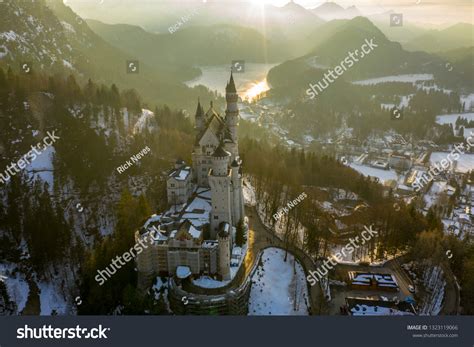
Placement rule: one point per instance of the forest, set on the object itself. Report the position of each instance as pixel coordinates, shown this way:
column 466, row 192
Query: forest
column 41, row 233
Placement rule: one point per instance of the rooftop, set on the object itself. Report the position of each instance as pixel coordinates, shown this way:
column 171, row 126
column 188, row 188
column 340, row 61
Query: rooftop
column 180, row 174
column 183, row 272
column 191, row 216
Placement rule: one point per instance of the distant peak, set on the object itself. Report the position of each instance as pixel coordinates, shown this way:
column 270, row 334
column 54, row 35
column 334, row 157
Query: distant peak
column 329, row 6
column 293, row 5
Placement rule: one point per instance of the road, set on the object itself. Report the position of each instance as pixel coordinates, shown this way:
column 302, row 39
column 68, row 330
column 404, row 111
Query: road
column 261, row 237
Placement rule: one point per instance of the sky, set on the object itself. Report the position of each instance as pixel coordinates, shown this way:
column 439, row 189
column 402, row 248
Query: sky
column 427, row 11
column 424, row 12
column 346, row 3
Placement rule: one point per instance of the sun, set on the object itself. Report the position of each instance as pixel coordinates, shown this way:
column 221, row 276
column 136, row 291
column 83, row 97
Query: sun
column 259, row 3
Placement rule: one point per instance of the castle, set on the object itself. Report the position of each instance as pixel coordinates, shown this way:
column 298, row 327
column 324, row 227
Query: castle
column 196, row 234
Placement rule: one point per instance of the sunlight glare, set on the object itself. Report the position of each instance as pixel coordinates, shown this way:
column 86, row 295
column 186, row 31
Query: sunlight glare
column 255, row 90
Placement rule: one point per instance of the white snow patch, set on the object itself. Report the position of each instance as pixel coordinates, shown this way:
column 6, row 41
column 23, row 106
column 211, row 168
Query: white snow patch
column 51, row 300
column 451, row 118
column 17, row 287
column 275, row 284
column 382, row 175
column 143, row 121
column 208, row 282
column 249, row 194
column 464, row 164
column 42, row 167
column 411, row 78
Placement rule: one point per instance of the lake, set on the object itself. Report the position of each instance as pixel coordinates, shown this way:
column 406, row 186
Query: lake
column 247, row 83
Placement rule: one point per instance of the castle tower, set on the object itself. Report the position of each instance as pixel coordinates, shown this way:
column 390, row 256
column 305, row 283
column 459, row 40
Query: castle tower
column 220, row 183
column 237, row 194
column 224, row 240
column 232, row 110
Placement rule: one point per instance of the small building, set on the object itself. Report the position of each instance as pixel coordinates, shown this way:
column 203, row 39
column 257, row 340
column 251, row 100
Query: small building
column 400, row 161
column 372, row 281
column 379, row 164
column 179, row 184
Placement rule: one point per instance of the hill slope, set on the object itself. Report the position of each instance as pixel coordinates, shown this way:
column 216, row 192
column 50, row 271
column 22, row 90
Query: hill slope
column 456, row 36
column 218, row 44
column 50, row 37
column 344, row 36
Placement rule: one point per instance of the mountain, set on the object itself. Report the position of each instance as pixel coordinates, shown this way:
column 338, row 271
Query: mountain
column 331, row 10
column 159, row 16
column 52, row 38
column 284, row 27
column 344, row 36
column 39, row 40
column 202, row 45
column 405, row 33
column 324, row 32
column 338, row 39
column 459, row 68
column 456, row 36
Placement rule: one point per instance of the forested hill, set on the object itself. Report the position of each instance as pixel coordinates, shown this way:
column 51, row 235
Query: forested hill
column 64, row 202
column 48, row 36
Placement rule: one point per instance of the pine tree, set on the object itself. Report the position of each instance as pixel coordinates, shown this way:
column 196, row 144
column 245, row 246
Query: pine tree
column 240, row 237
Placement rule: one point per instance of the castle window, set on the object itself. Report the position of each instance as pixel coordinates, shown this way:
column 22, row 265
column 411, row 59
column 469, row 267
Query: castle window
column 216, row 217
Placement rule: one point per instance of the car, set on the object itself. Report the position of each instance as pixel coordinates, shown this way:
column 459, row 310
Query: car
column 411, row 289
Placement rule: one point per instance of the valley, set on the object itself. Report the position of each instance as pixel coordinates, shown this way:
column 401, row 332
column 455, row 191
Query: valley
column 229, row 138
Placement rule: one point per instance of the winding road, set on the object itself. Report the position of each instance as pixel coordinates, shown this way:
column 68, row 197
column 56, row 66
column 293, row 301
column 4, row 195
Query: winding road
column 261, row 237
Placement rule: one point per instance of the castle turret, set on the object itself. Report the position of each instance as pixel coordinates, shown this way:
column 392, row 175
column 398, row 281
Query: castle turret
column 224, row 242
column 220, row 183
column 232, row 110
column 199, row 117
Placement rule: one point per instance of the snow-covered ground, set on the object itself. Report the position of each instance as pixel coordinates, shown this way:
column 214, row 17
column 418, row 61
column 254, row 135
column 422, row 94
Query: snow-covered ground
column 275, row 283
column 365, row 310
column 404, row 101
column 451, row 118
column 42, row 167
column 412, row 78
column 464, row 164
column 160, row 290
column 468, row 101
column 249, row 194
column 143, row 121
column 208, row 282
column 436, row 189
column 16, row 284
column 51, row 300
column 435, row 283
column 382, row 175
